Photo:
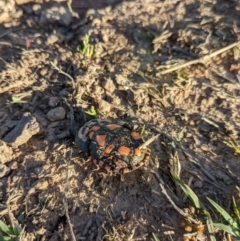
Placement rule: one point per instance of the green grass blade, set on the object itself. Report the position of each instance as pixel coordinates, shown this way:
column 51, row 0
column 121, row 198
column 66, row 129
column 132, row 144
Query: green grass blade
column 178, row 137
column 236, row 211
column 16, row 232
column 142, row 130
column 84, row 50
column 91, row 51
column 209, row 225
column 155, row 237
column 92, row 112
column 233, row 231
column 180, row 134
column 197, row 203
column 88, row 52
column 224, row 214
column 189, row 193
column 15, row 99
column 4, row 238
column 5, row 228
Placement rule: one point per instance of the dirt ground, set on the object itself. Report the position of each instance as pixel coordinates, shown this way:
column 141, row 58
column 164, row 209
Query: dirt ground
column 47, row 189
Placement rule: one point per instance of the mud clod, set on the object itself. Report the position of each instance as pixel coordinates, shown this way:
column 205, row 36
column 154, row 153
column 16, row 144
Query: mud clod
column 25, row 129
column 56, row 114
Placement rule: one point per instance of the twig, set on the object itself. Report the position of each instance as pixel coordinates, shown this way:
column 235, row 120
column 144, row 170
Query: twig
column 64, row 73
column 12, row 30
column 65, row 204
column 13, row 220
column 71, row 111
column 75, row 14
column 68, row 219
column 164, row 191
column 192, row 159
column 146, row 143
column 5, row 43
column 200, row 60
column 224, row 76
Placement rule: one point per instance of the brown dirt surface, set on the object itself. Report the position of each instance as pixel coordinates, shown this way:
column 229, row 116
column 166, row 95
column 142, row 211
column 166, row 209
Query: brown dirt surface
column 48, row 189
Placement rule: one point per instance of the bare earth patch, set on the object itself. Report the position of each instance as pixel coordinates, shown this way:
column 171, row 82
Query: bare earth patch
column 170, row 65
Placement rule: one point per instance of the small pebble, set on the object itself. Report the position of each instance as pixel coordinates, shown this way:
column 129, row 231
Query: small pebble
column 53, row 101
column 198, row 184
column 56, row 114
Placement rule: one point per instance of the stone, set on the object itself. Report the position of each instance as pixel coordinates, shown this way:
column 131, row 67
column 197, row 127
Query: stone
column 56, row 114
column 198, row 184
column 56, row 15
column 25, row 129
column 53, row 101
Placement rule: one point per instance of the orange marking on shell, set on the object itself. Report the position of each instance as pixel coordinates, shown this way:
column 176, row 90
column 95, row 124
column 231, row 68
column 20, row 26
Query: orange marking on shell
column 135, row 135
column 90, row 135
column 137, row 152
column 100, row 139
column 95, row 128
column 124, row 150
column 108, row 149
column 113, row 126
